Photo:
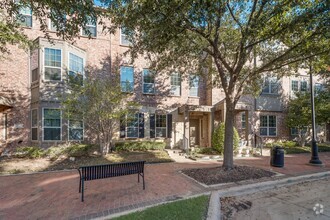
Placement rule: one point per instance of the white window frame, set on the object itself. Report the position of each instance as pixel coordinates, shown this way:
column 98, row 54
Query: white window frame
column 43, row 126
column 83, row 59
column 267, row 127
column 34, row 109
column 88, row 25
column 143, row 83
column 160, row 127
column 83, row 130
column 193, row 77
column 25, row 15
column 121, row 35
column 44, row 66
column 177, row 87
column 131, row 83
column 270, row 83
column 126, row 127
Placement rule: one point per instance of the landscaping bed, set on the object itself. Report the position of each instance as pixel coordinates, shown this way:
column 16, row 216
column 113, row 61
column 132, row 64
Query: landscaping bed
column 34, row 159
column 217, row 175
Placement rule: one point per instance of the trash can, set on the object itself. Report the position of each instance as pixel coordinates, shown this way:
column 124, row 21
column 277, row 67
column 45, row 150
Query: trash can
column 277, row 156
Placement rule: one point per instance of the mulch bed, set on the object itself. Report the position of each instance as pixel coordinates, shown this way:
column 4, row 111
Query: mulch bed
column 216, row 175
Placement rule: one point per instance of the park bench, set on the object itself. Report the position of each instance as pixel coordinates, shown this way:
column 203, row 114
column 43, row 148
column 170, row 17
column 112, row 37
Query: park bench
column 95, row 172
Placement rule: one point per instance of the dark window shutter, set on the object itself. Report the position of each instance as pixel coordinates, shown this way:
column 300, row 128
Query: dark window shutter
column 152, row 125
column 141, row 125
column 169, row 125
column 122, row 127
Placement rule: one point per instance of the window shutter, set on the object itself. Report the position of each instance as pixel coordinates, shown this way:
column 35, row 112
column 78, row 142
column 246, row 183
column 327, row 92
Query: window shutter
column 141, row 125
column 169, row 125
column 152, row 125
column 122, row 127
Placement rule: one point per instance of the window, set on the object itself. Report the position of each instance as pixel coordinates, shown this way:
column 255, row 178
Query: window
column 318, row 87
column 60, row 18
column 299, row 86
column 243, row 120
column 123, row 36
column 90, row 28
column 175, row 84
column 160, row 125
column 303, row 86
column 52, row 124
column 76, row 68
column 268, row 125
column 127, row 78
column 24, row 18
column 148, row 82
column 76, row 130
column 193, row 85
column 34, row 124
column 271, row 86
column 132, row 125
column 296, row 131
column 53, row 64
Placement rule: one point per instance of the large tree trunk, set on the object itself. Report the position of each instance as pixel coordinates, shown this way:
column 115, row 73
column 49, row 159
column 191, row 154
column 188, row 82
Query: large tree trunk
column 228, row 160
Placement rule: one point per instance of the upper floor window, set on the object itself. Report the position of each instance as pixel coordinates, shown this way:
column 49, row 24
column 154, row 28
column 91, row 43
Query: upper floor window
column 90, row 28
column 175, row 84
column 123, row 36
column 268, row 125
column 148, row 81
column 126, row 78
column 53, row 64
column 299, row 86
column 76, row 130
column 52, row 124
column 271, row 86
column 24, row 17
column 61, row 21
column 193, row 85
column 76, row 68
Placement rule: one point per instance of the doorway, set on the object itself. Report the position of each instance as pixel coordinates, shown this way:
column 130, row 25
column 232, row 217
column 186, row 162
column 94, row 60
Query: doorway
column 194, row 132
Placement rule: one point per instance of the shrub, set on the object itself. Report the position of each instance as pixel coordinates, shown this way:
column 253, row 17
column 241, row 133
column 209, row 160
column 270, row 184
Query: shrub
column 139, row 146
column 218, row 139
column 55, row 151
column 206, row 150
column 324, row 147
column 29, row 152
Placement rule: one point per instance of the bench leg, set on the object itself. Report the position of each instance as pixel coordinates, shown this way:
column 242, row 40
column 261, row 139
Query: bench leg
column 143, row 181
column 82, row 191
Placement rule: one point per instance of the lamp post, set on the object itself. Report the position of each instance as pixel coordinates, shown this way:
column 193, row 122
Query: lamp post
column 315, row 155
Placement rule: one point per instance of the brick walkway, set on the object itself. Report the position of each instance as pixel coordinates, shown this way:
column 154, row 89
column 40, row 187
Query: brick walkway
column 55, row 195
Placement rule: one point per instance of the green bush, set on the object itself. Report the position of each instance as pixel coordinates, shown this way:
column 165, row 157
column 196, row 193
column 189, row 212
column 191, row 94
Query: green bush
column 139, row 146
column 324, row 147
column 75, row 150
column 218, row 139
column 206, row 150
column 29, row 152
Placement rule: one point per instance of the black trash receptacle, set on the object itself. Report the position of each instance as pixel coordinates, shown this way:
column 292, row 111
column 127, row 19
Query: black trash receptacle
column 277, row 157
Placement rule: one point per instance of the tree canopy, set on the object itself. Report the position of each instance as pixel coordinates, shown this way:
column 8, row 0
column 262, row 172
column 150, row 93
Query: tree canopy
column 242, row 40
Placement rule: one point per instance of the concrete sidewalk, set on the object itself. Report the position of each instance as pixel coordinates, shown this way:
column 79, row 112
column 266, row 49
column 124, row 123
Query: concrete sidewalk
column 54, row 195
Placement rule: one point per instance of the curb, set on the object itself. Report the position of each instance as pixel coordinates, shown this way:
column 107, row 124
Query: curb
column 214, row 212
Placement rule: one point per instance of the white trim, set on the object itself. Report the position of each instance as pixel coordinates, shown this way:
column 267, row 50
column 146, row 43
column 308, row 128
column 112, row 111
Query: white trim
column 154, row 87
column 190, row 87
column 120, row 39
column 37, row 124
column 42, row 125
column 161, row 127
column 44, row 66
column 83, row 73
column 267, row 135
column 180, row 86
column 82, row 31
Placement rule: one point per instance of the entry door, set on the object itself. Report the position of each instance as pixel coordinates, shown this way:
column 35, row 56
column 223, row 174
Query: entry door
column 194, row 132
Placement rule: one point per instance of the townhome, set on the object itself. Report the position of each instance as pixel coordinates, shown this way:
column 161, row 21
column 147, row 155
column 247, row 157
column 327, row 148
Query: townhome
column 179, row 108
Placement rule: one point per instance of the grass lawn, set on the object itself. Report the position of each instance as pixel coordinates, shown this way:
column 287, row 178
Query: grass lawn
column 190, row 209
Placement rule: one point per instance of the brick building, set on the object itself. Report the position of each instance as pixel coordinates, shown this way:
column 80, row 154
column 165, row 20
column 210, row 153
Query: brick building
column 180, row 109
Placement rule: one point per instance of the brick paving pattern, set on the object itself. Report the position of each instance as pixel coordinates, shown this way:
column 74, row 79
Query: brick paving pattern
column 54, row 195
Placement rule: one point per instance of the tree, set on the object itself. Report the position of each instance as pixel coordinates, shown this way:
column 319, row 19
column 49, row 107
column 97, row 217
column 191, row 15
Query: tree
column 279, row 35
column 299, row 112
column 68, row 14
column 99, row 102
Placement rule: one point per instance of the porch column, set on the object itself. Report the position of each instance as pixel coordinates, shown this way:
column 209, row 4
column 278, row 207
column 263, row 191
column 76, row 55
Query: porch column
column 186, row 141
column 247, row 127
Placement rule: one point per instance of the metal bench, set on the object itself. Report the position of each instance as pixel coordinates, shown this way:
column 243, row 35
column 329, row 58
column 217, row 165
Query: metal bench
column 88, row 173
